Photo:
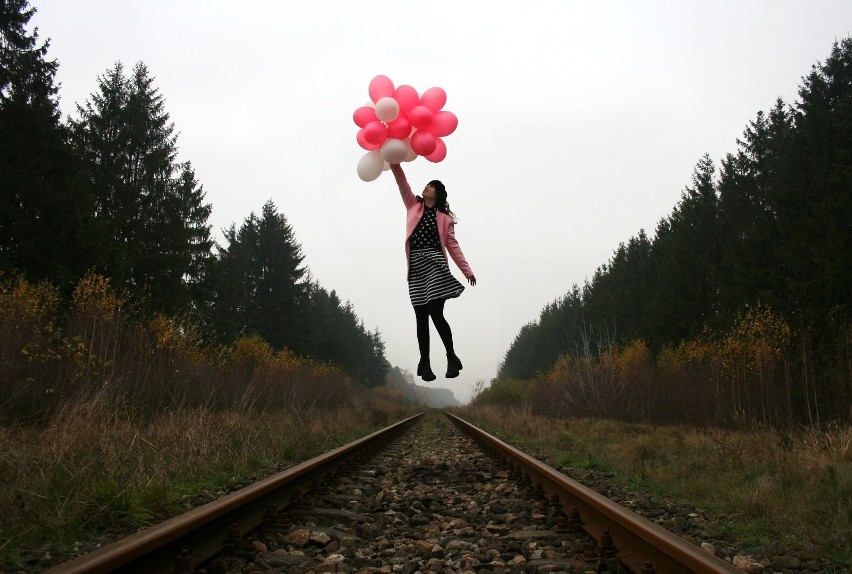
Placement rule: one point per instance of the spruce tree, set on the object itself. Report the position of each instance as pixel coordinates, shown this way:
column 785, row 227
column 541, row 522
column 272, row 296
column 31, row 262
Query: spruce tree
column 158, row 239
column 233, row 282
column 191, row 243
column 819, row 242
column 279, row 301
column 46, row 230
column 684, row 259
column 334, row 333
column 100, row 138
column 259, row 282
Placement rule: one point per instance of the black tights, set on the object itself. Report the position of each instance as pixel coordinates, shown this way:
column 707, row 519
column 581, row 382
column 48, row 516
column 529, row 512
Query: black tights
column 434, row 309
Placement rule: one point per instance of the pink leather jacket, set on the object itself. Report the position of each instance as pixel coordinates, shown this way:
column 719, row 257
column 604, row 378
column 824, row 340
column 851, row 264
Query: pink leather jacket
column 446, row 227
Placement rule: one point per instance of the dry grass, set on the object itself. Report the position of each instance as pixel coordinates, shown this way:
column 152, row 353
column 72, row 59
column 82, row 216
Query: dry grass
column 758, row 371
column 95, row 471
column 777, row 488
column 110, row 421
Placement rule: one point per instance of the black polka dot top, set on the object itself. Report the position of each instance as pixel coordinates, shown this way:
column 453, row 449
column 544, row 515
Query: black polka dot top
column 425, row 235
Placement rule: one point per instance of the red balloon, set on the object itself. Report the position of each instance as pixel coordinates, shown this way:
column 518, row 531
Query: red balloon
column 423, row 142
column 380, row 87
column 444, row 123
column 400, row 128
column 375, row 133
column 439, row 153
column 406, row 97
column 364, row 115
column 362, row 141
column 434, row 99
column 420, row 117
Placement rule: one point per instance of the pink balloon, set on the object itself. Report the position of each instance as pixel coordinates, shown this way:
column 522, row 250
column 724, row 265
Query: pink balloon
column 380, row 87
column 375, row 133
column 439, row 153
column 444, row 123
column 364, row 115
column 362, row 141
column 434, row 99
column 423, row 142
column 400, row 128
column 420, row 117
column 406, row 97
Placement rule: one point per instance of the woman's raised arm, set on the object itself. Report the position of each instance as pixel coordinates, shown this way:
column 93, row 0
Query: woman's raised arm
column 405, row 192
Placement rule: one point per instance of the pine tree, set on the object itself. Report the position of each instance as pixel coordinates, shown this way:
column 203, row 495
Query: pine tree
column 191, row 241
column 158, row 240
column 618, row 295
column 150, row 164
column 773, row 230
column 752, row 190
column 684, row 259
column 258, row 282
column 820, row 212
column 540, row 343
column 232, row 280
column 100, row 139
column 45, row 214
column 378, row 365
column 277, row 310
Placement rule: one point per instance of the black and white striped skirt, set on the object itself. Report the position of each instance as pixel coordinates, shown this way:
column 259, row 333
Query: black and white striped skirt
column 429, row 277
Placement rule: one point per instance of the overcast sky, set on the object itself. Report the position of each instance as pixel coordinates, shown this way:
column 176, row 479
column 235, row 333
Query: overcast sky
column 580, row 123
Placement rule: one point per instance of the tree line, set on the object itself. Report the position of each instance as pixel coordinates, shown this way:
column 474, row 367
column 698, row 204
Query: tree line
column 104, row 192
column 772, row 229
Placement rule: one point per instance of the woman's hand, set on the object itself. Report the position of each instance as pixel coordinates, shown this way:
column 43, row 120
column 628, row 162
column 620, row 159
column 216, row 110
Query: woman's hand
column 472, row 280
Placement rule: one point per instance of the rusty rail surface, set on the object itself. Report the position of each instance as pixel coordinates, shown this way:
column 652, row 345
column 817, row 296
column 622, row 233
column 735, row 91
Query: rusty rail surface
column 639, row 544
column 182, row 542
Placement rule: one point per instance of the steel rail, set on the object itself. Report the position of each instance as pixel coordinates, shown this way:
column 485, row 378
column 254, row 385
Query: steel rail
column 637, row 540
column 197, row 535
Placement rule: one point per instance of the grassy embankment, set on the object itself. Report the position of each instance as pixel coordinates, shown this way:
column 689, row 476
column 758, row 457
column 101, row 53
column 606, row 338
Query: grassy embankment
column 110, row 422
column 779, row 492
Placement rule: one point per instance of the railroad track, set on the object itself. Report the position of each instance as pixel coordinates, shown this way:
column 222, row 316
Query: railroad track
column 430, row 493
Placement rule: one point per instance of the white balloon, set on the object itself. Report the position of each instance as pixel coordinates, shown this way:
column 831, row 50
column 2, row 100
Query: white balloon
column 394, row 151
column 370, row 165
column 410, row 154
column 387, row 109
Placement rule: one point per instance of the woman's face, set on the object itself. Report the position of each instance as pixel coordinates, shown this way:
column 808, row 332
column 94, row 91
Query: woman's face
column 429, row 192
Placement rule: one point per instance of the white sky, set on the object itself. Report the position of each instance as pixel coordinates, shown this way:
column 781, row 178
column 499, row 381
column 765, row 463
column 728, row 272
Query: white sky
column 580, row 123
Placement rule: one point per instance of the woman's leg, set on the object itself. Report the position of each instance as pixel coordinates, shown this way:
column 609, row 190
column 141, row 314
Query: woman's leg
column 436, row 311
column 424, row 369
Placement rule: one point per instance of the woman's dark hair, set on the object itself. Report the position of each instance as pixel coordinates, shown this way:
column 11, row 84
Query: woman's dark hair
column 441, row 203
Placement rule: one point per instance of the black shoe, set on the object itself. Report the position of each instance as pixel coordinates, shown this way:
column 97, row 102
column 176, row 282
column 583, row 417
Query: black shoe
column 454, row 365
column 424, row 370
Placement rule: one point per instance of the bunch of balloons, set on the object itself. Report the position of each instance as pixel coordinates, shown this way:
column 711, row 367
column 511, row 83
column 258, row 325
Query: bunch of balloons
column 400, row 124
